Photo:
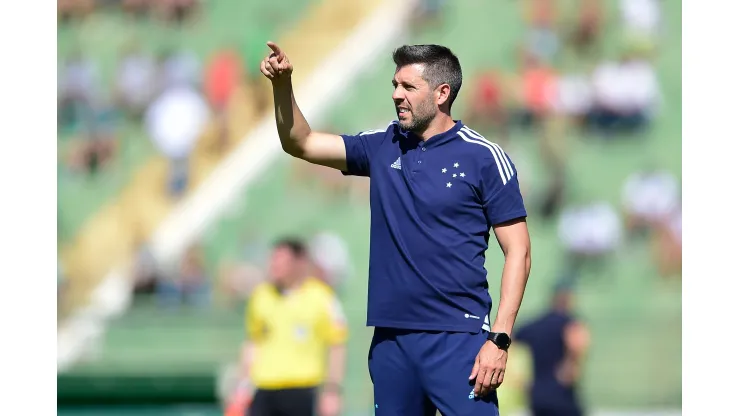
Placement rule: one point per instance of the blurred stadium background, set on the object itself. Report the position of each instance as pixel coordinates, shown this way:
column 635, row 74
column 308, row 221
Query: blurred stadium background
column 585, row 96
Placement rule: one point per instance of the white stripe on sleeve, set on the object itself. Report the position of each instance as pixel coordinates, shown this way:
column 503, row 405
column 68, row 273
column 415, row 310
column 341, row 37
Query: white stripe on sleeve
column 503, row 172
column 499, row 150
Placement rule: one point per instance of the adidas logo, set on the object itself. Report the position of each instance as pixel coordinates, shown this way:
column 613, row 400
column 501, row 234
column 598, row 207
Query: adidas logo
column 396, row 164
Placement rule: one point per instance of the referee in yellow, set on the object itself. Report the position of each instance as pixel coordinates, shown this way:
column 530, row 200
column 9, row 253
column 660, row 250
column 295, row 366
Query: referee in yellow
column 295, row 353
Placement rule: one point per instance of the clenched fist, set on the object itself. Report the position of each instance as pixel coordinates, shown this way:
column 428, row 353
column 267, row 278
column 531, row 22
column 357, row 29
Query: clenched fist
column 276, row 65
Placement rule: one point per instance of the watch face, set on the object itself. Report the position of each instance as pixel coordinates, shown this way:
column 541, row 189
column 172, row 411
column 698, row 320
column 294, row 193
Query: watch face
column 501, row 340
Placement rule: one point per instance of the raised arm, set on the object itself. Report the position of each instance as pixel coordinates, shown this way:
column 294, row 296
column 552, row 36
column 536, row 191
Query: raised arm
column 296, row 136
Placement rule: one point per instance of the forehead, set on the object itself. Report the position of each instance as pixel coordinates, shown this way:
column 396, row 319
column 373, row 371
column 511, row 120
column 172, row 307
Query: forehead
column 411, row 74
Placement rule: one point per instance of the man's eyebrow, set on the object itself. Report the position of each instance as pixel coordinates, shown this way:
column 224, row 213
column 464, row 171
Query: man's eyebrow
column 405, row 83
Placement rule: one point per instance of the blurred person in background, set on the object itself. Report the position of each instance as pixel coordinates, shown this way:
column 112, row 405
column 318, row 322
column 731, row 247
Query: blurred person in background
column 641, row 19
column 137, row 9
column 295, row 352
column 487, row 104
column 175, row 11
column 626, row 93
column 74, row 10
column 588, row 27
column 146, row 272
column 649, row 198
column 542, row 40
column 175, row 122
column 136, row 81
column 535, row 91
column 573, row 98
column 177, row 68
column 514, row 393
column 189, row 284
column 557, row 342
column 590, row 233
column 667, row 244
column 83, row 108
column 78, row 90
column 96, row 146
column 428, row 13
column 553, row 147
column 222, row 76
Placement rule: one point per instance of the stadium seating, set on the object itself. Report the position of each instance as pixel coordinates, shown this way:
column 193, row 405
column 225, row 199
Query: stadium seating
column 104, row 218
column 630, row 313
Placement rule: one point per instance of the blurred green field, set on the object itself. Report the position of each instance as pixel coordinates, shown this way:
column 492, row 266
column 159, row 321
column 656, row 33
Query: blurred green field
column 635, row 318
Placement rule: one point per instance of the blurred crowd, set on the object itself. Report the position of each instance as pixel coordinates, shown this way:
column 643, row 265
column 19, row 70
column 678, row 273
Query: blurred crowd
column 566, row 85
column 173, row 94
column 189, row 283
column 170, row 11
column 563, row 85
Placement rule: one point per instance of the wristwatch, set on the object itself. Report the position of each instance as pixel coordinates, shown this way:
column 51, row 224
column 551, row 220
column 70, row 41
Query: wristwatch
column 500, row 339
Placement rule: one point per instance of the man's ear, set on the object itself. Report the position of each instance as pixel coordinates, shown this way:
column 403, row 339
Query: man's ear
column 443, row 94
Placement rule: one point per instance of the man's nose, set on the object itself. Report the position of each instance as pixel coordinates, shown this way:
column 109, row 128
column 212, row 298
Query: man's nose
column 398, row 95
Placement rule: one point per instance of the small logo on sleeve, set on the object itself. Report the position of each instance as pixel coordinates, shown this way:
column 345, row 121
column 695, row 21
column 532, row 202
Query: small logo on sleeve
column 469, row 316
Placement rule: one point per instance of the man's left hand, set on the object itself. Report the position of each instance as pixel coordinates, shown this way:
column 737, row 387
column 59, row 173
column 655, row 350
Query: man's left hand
column 330, row 403
column 489, row 368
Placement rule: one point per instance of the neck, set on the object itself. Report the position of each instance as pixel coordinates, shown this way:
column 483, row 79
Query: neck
column 439, row 124
column 291, row 284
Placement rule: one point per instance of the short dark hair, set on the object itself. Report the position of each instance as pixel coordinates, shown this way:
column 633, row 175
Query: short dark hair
column 296, row 246
column 441, row 66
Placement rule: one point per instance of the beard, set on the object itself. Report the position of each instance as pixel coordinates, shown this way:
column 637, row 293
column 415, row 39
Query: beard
column 420, row 118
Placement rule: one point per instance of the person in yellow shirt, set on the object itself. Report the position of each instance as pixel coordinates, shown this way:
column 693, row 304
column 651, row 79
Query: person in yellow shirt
column 295, row 353
column 513, row 393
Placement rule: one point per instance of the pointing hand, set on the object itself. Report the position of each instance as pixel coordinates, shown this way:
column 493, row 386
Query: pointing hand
column 276, row 65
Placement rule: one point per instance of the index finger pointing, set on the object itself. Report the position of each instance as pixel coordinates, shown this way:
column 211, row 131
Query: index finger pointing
column 275, row 48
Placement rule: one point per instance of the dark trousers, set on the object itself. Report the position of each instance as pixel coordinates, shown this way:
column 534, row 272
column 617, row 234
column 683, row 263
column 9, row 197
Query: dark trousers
column 283, row 402
column 556, row 412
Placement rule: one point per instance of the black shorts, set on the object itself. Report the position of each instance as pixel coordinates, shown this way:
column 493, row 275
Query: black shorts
column 283, row 402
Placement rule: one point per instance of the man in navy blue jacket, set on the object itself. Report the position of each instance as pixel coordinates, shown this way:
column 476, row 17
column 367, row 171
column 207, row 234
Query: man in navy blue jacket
column 558, row 343
column 437, row 188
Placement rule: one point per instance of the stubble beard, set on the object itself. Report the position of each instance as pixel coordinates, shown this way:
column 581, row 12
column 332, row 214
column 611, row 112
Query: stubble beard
column 420, row 118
